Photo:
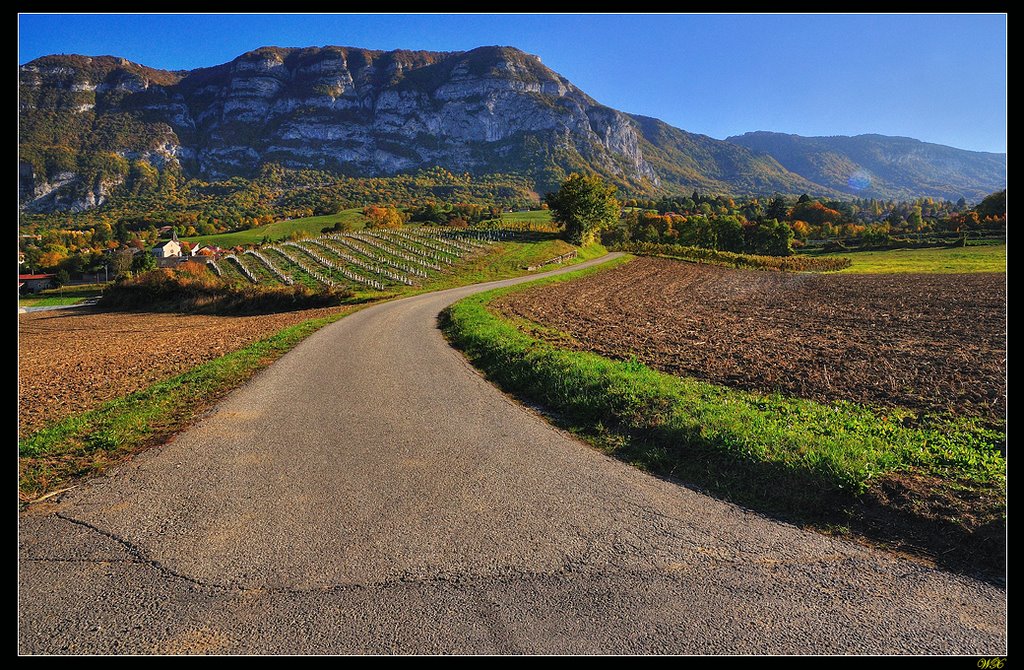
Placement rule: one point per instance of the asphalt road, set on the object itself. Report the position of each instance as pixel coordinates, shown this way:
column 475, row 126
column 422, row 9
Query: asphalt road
column 50, row 308
column 371, row 493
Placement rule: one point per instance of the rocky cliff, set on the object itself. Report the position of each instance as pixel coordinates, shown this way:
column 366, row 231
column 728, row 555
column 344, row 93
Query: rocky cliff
column 88, row 124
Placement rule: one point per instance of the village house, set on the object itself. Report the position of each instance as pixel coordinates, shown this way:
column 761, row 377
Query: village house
column 34, row 283
column 168, row 249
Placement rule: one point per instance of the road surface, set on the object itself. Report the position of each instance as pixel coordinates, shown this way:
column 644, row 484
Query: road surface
column 371, row 493
column 85, row 303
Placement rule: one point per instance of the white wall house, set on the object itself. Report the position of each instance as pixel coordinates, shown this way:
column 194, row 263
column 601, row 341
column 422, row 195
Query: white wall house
column 167, row 249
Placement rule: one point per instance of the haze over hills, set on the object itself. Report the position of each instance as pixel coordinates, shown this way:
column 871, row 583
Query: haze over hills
column 896, row 166
column 363, row 112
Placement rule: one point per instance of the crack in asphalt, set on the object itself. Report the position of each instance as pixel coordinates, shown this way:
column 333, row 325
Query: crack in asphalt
column 570, row 570
column 131, row 549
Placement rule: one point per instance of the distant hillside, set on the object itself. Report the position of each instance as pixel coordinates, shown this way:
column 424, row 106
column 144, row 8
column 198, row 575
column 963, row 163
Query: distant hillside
column 93, row 127
column 685, row 161
column 883, row 167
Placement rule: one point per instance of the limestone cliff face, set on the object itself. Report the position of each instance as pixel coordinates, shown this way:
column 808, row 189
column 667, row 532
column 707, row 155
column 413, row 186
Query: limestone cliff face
column 370, row 112
column 353, row 110
column 87, row 123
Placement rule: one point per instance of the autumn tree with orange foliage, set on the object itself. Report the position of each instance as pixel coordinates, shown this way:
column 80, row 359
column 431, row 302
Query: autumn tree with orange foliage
column 384, row 216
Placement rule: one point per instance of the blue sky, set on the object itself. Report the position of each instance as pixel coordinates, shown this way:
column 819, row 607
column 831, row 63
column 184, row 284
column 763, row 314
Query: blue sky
column 939, row 78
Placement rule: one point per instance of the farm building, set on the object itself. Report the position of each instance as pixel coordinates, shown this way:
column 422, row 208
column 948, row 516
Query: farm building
column 34, row 283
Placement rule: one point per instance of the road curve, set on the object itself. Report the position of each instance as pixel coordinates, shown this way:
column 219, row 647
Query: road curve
column 371, row 493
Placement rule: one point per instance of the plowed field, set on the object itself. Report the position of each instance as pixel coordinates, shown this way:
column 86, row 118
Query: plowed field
column 70, row 361
column 932, row 343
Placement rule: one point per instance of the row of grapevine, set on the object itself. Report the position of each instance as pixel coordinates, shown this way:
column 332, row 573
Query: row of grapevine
column 448, row 237
column 373, row 268
column 323, row 279
column 430, row 243
column 409, row 243
column 282, row 277
column 375, row 255
column 241, row 268
column 395, row 249
column 372, row 258
column 341, row 269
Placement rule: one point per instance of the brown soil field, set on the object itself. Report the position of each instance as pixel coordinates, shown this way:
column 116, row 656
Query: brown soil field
column 929, row 342
column 71, row 361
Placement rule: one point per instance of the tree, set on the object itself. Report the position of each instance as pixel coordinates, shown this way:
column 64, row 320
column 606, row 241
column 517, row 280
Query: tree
column 777, row 209
column 143, row 262
column 384, row 217
column 584, row 205
column 121, row 262
column 993, row 205
column 915, row 220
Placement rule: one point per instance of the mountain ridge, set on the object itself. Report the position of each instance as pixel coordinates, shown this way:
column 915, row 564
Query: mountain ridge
column 897, row 165
column 86, row 122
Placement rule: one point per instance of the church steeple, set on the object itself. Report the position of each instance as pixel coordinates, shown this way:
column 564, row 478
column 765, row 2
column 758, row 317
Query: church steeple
column 174, row 233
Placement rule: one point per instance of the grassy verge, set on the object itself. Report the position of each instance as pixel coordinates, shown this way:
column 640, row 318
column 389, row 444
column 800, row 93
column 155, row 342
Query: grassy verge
column 804, row 263
column 89, row 442
column 946, row 260
column 66, row 295
column 533, row 216
column 814, row 463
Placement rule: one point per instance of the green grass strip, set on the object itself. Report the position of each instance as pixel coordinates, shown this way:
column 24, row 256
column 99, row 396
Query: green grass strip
column 775, row 452
column 797, row 263
column 53, row 301
column 88, row 442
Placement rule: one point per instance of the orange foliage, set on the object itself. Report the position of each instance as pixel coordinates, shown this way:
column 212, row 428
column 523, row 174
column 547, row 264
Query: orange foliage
column 384, row 217
column 51, row 259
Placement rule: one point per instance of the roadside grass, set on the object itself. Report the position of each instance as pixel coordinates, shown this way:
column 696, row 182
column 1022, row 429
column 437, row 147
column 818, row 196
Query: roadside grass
column 280, row 230
column 805, row 263
column 944, row 260
column 807, row 461
column 92, row 441
column 533, row 216
column 65, row 295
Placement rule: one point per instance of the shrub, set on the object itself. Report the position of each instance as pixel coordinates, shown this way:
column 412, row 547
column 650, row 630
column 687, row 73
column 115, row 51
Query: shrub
column 193, row 288
column 702, row 255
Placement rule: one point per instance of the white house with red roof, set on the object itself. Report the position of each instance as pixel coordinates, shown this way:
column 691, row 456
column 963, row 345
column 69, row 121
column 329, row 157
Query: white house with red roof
column 34, row 283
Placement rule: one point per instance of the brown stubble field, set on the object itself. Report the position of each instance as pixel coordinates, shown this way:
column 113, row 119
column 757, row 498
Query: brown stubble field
column 70, row 361
column 929, row 342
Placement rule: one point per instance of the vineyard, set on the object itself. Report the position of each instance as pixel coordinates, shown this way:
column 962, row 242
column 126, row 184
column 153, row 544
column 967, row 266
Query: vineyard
column 377, row 260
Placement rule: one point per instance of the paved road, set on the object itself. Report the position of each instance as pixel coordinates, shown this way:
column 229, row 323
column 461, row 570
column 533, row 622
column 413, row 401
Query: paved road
column 370, row 492
column 50, row 308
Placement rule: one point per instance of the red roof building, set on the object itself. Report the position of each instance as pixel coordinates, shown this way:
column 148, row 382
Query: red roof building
column 34, row 283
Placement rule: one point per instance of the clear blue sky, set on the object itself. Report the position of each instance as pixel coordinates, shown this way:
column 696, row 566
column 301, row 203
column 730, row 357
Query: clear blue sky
column 939, row 78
